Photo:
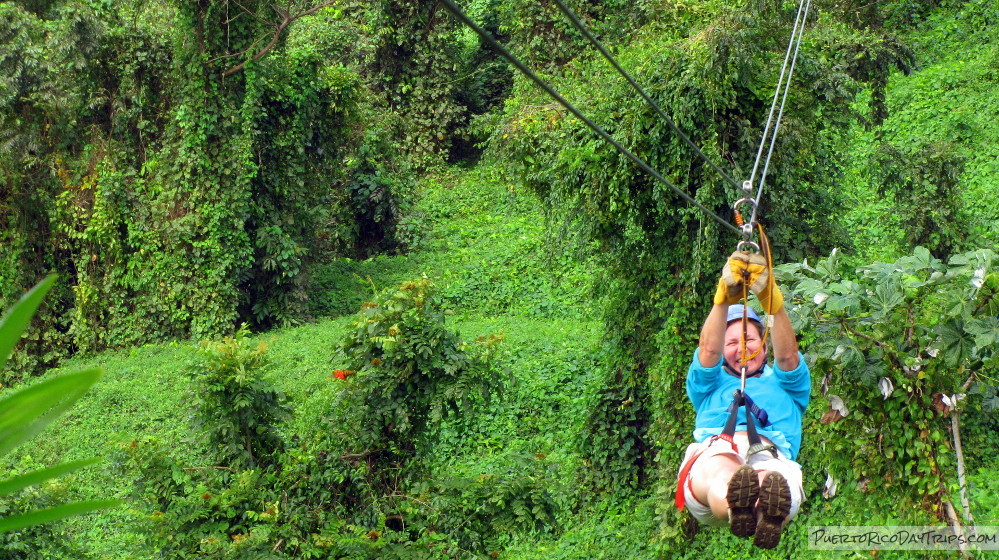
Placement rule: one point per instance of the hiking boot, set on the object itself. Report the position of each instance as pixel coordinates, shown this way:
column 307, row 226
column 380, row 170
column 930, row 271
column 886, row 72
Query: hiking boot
column 775, row 506
column 743, row 491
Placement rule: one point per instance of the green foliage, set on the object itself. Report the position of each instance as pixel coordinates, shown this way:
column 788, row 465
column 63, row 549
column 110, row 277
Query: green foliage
column 415, row 59
column 200, row 512
column 336, row 489
column 897, row 341
column 488, row 76
column 165, row 189
column 303, row 510
column 411, row 371
column 377, row 195
column 523, row 496
column 38, row 96
column 510, row 263
column 925, row 186
column 612, row 530
column 937, row 126
column 46, row 541
column 25, row 413
column 541, row 36
column 984, row 496
column 615, row 441
column 236, row 408
column 178, row 191
column 296, row 113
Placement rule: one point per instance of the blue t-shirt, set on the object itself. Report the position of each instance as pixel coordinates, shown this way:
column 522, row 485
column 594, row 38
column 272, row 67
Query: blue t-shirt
column 783, row 394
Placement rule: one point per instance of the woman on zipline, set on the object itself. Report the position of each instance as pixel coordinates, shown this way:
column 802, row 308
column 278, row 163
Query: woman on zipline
column 722, row 481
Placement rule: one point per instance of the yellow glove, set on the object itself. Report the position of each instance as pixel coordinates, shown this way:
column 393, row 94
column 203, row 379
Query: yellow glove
column 730, row 294
column 753, row 268
column 730, row 284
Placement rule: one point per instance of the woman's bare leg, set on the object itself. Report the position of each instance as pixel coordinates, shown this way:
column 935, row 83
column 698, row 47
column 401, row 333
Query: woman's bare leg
column 709, row 479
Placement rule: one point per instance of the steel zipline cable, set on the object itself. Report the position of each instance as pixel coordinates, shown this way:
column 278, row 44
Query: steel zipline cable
column 796, row 35
column 463, row 18
column 783, row 84
column 586, row 32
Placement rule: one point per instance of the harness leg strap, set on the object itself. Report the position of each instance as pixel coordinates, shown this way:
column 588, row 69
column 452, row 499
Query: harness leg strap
column 756, row 445
column 733, row 414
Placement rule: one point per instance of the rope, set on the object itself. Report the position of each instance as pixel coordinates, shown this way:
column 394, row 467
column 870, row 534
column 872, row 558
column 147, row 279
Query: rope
column 586, row 32
column 797, row 33
column 463, row 18
column 772, row 283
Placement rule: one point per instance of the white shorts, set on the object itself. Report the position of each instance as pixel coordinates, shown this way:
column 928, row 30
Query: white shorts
column 764, row 461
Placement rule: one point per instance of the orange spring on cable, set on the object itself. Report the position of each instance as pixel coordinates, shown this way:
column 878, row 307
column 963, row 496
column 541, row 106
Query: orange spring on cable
column 738, row 219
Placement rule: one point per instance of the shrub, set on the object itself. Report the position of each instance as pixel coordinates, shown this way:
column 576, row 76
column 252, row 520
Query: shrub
column 201, row 512
column 523, row 494
column 235, row 408
column 410, row 370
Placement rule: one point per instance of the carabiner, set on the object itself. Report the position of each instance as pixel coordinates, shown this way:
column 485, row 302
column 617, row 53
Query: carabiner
column 747, row 228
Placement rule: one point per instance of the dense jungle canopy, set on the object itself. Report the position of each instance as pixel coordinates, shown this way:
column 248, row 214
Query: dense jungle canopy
column 508, row 305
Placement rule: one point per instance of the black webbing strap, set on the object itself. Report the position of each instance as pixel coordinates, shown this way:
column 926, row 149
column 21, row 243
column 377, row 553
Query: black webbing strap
column 759, row 413
column 733, row 414
column 740, row 399
column 754, row 438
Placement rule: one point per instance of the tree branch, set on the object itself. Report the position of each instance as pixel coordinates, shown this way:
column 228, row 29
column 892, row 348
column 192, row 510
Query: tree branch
column 955, row 424
column 286, row 20
column 967, row 383
column 865, row 336
column 982, row 305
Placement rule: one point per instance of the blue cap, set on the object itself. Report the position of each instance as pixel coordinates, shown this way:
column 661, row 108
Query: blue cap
column 735, row 314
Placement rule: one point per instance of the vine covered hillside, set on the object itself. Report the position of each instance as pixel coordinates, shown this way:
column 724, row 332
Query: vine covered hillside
column 360, row 289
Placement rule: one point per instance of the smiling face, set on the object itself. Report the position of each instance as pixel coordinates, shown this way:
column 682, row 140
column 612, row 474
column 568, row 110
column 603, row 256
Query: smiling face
column 753, row 342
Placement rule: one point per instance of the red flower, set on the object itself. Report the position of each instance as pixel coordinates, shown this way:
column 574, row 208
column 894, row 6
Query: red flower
column 343, row 373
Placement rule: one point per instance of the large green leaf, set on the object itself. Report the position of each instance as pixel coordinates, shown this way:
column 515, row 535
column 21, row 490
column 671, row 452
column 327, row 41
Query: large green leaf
column 828, row 268
column 848, row 303
column 977, row 259
column 49, row 515
column 879, row 271
column 809, row 288
column 886, row 296
column 790, row 273
column 957, row 343
column 919, row 260
column 841, row 349
column 985, row 331
column 12, row 485
column 14, row 322
column 871, row 371
column 987, row 295
column 27, row 412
